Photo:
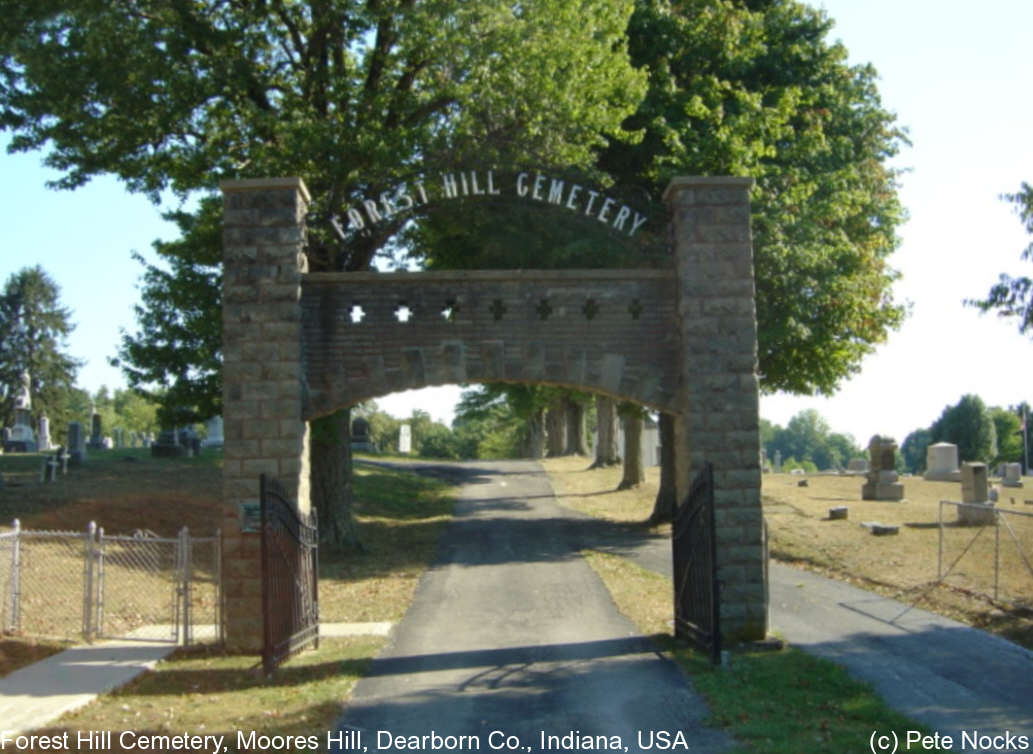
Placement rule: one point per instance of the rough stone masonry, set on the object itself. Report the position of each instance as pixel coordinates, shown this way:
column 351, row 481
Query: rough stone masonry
column 682, row 340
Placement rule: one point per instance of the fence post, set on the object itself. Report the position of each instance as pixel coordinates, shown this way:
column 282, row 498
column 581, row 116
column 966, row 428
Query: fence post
column 87, row 606
column 183, row 558
column 14, row 620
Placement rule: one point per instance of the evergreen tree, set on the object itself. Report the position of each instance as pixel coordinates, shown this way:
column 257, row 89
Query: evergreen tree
column 33, row 332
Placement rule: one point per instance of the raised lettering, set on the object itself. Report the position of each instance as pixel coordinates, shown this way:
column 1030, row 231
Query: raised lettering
column 574, row 191
column 592, row 196
column 556, row 192
column 604, row 213
column 639, row 221
column 473, row 184
column 522, row 184
column 372, row 211
column 422, row 192
column 539, row 179
column 622, row 216
column 451, row 189
column 491, row 185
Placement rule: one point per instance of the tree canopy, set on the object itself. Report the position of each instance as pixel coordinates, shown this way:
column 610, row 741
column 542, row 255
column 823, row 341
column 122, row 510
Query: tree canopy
column 1012, row 297
column 969, row 425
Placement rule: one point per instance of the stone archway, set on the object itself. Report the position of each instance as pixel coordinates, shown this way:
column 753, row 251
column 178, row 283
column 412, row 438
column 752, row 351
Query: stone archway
column 682, row 340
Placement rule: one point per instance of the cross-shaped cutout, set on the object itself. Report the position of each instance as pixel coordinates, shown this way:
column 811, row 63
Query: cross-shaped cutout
column 402, row 312
column 590, row 309
column 635, row 308
column 498, row 309
column 450, row 311
column 543, row 309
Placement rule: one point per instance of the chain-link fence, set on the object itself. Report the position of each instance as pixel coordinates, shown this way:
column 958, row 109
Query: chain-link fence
column 987, row 550
column 89, row 584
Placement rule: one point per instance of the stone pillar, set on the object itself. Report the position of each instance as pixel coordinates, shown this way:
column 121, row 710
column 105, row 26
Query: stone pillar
column 263, row 393
column 719, row 417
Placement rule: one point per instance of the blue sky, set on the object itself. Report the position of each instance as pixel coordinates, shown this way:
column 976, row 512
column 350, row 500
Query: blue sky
column 958, row 77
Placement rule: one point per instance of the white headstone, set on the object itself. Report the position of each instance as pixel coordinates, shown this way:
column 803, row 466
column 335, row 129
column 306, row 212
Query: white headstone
column 213, row 428
column 405, row 439
column 44, row 433
column 1012, row 475
column 941, row 463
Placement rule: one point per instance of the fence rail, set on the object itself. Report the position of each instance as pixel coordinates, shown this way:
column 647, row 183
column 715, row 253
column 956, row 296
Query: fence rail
column 987, row 550
column 92, row 585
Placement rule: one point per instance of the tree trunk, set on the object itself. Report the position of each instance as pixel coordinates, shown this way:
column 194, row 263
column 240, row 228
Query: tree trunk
column 577, row 443
column 606, row 452
column 556, row 428
column 534, row 441
column 330, row 478
column 634, row 471
column 667, row 496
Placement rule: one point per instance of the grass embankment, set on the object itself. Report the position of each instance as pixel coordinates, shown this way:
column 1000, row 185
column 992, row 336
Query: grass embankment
column 205, row 690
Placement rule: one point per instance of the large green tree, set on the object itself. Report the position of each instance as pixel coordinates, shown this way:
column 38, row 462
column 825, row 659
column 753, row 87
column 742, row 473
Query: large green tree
column 969, row 425
column 756, row 88
column 1012, row 297
column 34, row 327
column 355, row 96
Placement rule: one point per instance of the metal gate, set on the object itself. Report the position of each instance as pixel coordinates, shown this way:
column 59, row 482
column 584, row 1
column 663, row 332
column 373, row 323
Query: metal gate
column 290, row 576
column 694, row 548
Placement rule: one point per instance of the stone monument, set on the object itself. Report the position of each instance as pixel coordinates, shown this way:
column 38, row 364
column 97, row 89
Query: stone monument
column 360, row 439
column 941, row 463
column 979, row 511
column 213, row 433
column 76, row 444
column 21, row 438
column 882, row 476
column 1012, row 475
column 405, row 438
column 96, row 441
column 44, row 433
column 168, row 445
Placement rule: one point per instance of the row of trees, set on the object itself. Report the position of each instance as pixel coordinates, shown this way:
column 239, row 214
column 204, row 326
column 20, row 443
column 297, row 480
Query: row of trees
column 989, row 434
column 807, row 442
column 358, row 96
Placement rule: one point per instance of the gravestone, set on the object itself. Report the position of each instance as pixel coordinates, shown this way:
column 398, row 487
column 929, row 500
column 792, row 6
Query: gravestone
column 213, row 432
column 857, row 466
column 1012, row 475
column 882, row 476
column 978, row 511
column 44, row 433
column 167, row 445
column 941, row 463
column 20, row 438
column 778, row 461
column 76, row 444
column 96, row 441
column 405, row 439
column 360, row 439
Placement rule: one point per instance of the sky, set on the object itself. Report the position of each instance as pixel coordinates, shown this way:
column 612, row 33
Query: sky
column 958, row 77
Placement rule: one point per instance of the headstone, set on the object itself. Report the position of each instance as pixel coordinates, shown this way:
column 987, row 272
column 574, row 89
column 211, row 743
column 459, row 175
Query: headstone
column 96, row 441
column 108, row 443
column 778, row 461
column 44, row 433
column 405, row 439
column 838, row 513
column 21, row 438
column 882, row 477
column 880, row 529
column 1012, row 475
column 167, row 445
column 76, row 444
column 213, row 430
column 360, row 439
column 977, row 510
column 941, row 463
column 857, row 466
column 62, row 459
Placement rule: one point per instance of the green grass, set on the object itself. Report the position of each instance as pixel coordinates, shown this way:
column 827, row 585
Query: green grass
column 783, row 702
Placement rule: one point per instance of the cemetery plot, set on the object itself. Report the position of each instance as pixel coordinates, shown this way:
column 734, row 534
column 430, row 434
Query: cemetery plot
column 906, row 566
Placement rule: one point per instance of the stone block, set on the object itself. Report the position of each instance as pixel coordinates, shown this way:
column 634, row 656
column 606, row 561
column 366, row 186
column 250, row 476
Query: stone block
column 880, row 529
column 838, row 513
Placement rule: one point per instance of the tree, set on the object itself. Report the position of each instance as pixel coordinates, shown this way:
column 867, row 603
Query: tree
column 1007, row 425
column 353, row 96
column 968, row 425
column 913, row 450
column 1013, row 296
column 634, row 473
column 175, row 357
column 606, row 452
column 755, row 88
column 33, row 331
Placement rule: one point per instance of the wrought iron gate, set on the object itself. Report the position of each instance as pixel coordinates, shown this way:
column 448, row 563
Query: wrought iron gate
column 290, row 576
column 694, row 548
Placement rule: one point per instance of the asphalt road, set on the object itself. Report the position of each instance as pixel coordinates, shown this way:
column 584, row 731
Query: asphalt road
column 513, row 642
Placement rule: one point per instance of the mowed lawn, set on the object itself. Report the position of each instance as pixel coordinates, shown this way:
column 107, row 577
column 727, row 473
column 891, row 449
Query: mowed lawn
column 904, row 565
